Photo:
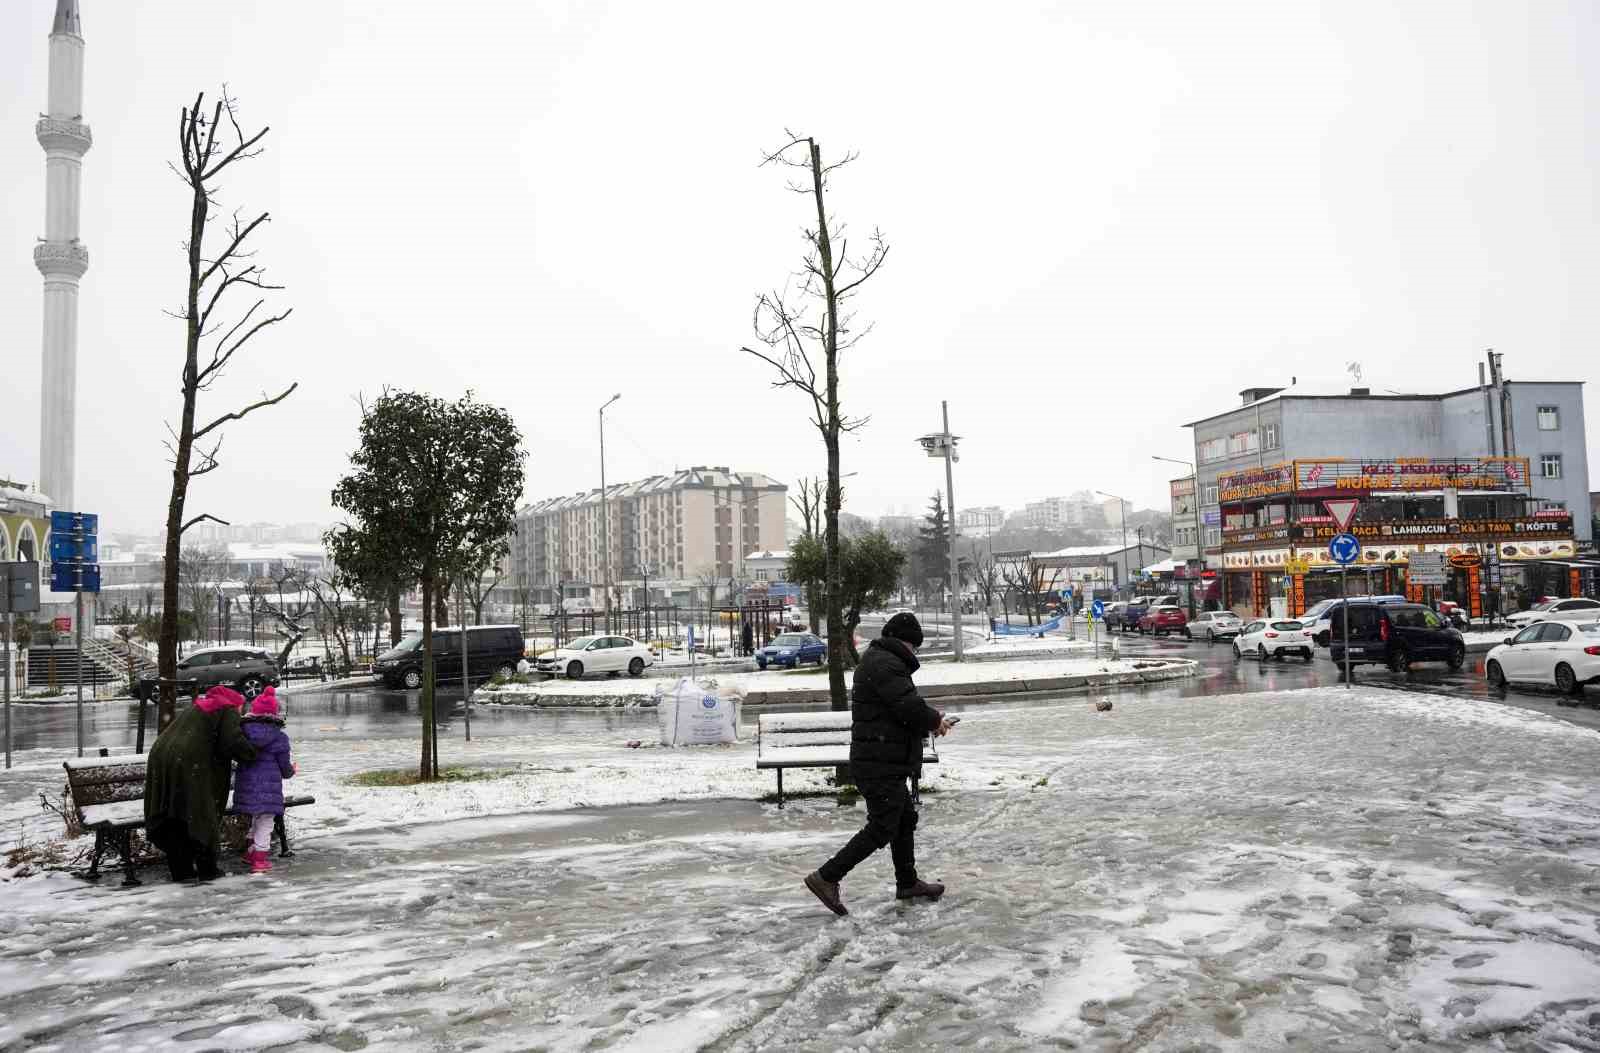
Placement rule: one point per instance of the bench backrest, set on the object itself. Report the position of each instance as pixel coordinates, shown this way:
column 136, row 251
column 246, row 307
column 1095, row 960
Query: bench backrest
column 783, row 731
column 105, row 780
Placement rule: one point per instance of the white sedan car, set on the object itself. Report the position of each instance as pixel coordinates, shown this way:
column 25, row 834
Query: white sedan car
column 597, row 654
column 1577, row 609
column 1270, row 639
column 1548, row 653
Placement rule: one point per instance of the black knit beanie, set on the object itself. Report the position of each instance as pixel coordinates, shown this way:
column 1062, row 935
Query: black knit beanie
column 905, row 628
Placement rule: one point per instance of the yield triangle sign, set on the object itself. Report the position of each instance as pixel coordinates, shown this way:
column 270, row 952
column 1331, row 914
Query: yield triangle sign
column 1343, row 511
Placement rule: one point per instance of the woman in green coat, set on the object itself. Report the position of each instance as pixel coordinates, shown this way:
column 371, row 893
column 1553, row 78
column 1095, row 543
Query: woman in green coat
column 186, row 782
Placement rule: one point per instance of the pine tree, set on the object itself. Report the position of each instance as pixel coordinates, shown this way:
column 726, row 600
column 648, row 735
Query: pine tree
column 933, row 546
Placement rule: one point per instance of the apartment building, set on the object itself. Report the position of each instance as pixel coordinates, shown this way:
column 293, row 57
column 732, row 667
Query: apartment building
column 665, row 533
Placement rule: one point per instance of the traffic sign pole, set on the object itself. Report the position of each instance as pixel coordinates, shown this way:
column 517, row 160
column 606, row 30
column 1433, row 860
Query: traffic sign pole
column 80, row 673
column 1344, row 593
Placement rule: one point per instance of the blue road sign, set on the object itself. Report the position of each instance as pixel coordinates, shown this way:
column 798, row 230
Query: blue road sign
column 1099, row 609
column 85, row 522
column 1345, row 549
column 66, row 547
column 74, row 577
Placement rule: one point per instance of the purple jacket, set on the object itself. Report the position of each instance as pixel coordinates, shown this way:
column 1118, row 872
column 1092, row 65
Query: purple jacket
column 258, row 785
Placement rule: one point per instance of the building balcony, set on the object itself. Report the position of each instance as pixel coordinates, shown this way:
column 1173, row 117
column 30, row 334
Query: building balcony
column 61, row 258
column 69, row 136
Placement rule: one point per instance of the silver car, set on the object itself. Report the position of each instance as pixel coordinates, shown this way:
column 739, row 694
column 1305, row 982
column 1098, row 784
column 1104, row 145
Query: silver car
column 1212, row 626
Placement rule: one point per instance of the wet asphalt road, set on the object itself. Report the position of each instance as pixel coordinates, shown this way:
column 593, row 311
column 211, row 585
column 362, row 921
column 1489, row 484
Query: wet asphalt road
column 375, row 712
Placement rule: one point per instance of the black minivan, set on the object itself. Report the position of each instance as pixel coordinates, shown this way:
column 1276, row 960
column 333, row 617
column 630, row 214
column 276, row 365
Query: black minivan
column 491, row 649
column 1395, row 635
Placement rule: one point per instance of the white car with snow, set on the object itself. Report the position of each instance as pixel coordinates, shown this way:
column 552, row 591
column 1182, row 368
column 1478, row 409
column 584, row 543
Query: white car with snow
column 1266, row 639
column 1550, row 654
column 1577, row 609
column 597, row 654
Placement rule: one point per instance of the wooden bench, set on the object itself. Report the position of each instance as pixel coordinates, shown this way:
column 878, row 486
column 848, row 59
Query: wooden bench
column 812, row 740
column 108, row 796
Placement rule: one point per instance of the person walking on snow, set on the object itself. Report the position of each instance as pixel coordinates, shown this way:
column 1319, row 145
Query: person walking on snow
column 258, row 787
column 887, row 722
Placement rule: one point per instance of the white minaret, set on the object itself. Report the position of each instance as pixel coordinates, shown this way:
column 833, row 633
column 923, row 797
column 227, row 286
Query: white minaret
column 60, row 256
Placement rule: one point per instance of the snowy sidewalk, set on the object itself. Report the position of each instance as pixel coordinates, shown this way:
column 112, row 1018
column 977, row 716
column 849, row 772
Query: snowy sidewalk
column 1305, row 870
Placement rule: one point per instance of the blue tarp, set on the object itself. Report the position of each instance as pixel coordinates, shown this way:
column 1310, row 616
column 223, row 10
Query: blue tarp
column 1028, row 630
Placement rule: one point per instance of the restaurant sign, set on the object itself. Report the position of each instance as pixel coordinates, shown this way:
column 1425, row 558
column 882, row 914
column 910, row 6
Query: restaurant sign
column 1447, row 529
column 1256, row 482
column 1412, row 473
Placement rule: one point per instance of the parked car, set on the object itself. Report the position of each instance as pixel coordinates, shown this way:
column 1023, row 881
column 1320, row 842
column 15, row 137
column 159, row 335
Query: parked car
column 1212, row 626
column 1133, row 614
column 1265, row 638
column 1319, row 617
column 491, row 650
column 1160, row 621
column 245, row 669
column 597, row 654
column 792, row 650
column 1114, row 612
column 1548, row 653
column 1454, row 614
column 1577, row 609
column 1394, row 634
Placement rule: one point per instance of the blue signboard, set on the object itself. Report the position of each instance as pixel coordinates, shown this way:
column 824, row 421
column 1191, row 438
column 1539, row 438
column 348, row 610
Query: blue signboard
column 74, row 577
column 65, row 547
column 1099, row 609
column 1344, row 548
column 87, row 522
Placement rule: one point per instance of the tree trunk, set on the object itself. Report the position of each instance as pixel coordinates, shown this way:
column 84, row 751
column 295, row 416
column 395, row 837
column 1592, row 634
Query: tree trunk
column 395, row 623
column 441, row 614
column 167, row 649
column 429, row 750
column 812, row 596
column 852, row 620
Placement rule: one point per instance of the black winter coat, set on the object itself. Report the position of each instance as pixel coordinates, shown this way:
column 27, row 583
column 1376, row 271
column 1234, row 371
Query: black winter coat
column 888, row 718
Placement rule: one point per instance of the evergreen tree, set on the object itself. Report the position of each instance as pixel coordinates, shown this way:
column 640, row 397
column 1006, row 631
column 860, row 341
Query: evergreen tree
column 933, row 546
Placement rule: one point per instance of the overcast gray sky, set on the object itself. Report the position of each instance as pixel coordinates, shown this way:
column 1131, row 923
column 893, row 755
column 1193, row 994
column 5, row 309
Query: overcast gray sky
column 1105, row 220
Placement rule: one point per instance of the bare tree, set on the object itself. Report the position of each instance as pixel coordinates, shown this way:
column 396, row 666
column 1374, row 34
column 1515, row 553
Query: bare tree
column 208, row 147
column 708, row 579
column 805, row 326
column 984, row 574
column 335, row 611
column 200, row 573
column 291, row 607
column 809, row 503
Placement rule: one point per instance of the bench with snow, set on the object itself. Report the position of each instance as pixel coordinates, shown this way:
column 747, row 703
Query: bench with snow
column 812, row 740
column 108, row 797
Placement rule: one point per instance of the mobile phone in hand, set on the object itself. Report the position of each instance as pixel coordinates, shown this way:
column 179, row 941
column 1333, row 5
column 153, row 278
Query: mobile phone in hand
column 953, row 721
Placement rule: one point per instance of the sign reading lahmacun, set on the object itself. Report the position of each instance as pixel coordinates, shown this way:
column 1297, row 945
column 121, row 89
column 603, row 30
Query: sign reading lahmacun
column 1446, row 529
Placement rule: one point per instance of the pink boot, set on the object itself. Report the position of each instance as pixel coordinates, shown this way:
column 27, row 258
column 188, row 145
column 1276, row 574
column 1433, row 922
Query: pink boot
column 259, row 863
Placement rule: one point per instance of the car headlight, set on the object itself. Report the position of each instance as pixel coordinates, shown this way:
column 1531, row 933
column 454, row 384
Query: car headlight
column 787, row 653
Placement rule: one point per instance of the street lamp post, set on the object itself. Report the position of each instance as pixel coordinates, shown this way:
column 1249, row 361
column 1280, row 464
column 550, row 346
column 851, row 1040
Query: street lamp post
column 1124, row 518
column 943, row 445
column 1194, row 505
column 605, row 519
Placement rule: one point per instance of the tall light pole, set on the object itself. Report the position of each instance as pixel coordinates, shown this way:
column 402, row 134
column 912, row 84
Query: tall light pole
column 1194, row 503
column 943, row 444
column 605, row 520
column 1124, row 518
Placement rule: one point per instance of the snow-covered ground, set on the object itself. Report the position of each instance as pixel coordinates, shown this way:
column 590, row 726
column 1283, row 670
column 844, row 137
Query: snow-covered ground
column 1321, row 869
column 621, row 690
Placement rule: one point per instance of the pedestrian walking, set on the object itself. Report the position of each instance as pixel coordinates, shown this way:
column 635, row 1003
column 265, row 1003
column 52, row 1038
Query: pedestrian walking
column 888, row 720
column 749, row 639
column 186, row 782
column 258, row 787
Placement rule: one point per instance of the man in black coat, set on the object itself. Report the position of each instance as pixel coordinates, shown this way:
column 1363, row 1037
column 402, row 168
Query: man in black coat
column 888, row 720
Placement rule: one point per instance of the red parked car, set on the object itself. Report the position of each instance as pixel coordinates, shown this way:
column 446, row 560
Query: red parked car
column 1163, row 620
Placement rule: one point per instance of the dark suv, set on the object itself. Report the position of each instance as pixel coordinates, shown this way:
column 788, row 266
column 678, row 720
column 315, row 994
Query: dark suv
column 1395, row 635
column 491, row 649
column 245, row 669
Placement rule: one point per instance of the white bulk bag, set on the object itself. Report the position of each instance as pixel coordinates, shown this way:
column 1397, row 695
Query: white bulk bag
column 695, row 714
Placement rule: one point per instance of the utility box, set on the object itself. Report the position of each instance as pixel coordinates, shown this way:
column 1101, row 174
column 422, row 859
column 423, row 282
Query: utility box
column 19, row 588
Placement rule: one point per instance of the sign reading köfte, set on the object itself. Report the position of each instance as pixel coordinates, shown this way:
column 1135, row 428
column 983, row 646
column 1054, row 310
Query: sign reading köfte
column 1532, row 528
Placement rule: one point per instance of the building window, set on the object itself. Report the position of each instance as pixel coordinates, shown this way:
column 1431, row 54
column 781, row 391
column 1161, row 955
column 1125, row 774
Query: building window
column 1552, row 506
column 1213, row 537
column 1549, row 418
column 1241, row 442
column 1212, row 450
column 1550, row 465
column 1210, row 495
column 761, row 575
column 1269, row 436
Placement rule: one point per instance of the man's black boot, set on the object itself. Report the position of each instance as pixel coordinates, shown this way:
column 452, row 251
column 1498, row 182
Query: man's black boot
column 930, row 890
column 827, row 892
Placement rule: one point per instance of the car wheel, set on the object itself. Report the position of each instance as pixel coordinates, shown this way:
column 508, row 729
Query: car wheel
column 1187, row 635
column 1567, row 681
column 1261, row 650
column 412, row 679
column 1237, row 654
column 1399, row 661
column 574, row 670
column 1308, row 654
column 1495, row 675
column 761, row 664
column 250, row 687
column 1458, row 657
column 636, row 667
column 1211, row 638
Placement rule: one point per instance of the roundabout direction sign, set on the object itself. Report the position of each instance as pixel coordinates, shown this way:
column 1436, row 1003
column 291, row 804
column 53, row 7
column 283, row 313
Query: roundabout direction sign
column 1345, row 549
